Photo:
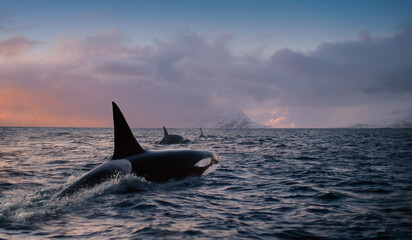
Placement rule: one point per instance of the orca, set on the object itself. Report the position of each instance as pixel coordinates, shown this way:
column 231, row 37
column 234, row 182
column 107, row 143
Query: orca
column 201, row 134
column 154, row 166
column 172, row 139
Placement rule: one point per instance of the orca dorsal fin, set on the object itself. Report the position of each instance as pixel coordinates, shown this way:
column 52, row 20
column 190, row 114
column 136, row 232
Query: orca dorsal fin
column 201, row 133
column 165, row 131
column 125, row 144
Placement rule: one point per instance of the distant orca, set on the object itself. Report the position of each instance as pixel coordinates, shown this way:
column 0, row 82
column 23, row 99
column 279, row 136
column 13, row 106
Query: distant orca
column 201, row 134
column 155, row 166
column 171, row 139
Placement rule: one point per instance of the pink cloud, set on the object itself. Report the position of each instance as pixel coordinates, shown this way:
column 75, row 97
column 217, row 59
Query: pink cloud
column 181, row 80
column 16, row 45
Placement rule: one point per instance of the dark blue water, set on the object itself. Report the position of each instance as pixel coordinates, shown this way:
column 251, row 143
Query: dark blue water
column 271, row 184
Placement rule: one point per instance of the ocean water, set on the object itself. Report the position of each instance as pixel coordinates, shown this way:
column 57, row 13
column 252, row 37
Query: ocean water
column 270, row 184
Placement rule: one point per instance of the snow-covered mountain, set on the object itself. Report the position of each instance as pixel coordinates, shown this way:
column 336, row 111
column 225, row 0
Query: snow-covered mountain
column 222, row 118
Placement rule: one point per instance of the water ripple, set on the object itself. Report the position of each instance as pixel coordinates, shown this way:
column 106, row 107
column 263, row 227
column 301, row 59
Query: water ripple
column 271, row 184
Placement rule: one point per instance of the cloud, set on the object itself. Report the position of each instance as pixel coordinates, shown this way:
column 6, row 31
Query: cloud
column 15, row 46
column 366, row 73
column 189, row 76
column 278, row 119
column 347, row 73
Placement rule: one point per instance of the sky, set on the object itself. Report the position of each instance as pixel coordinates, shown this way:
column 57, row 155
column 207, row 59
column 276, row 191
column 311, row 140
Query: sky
column 286, row 64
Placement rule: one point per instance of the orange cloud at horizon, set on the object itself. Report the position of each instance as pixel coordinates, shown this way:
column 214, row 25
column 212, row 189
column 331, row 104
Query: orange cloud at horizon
column 280, row 122
column 30, row 107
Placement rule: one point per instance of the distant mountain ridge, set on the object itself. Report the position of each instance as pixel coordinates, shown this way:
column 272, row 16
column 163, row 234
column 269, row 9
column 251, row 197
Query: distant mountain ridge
column 405, row 122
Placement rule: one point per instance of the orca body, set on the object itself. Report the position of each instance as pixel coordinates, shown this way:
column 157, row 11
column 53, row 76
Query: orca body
column 154, row 166
column 201, row 134
column 171, row 139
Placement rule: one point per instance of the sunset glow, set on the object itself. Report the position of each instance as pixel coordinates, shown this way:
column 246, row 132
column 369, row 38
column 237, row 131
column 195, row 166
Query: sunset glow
column 63, row 66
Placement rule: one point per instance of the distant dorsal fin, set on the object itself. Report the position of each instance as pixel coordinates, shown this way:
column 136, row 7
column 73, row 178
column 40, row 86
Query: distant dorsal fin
column 201, row 133
column 125, row 144
column 165, row 131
